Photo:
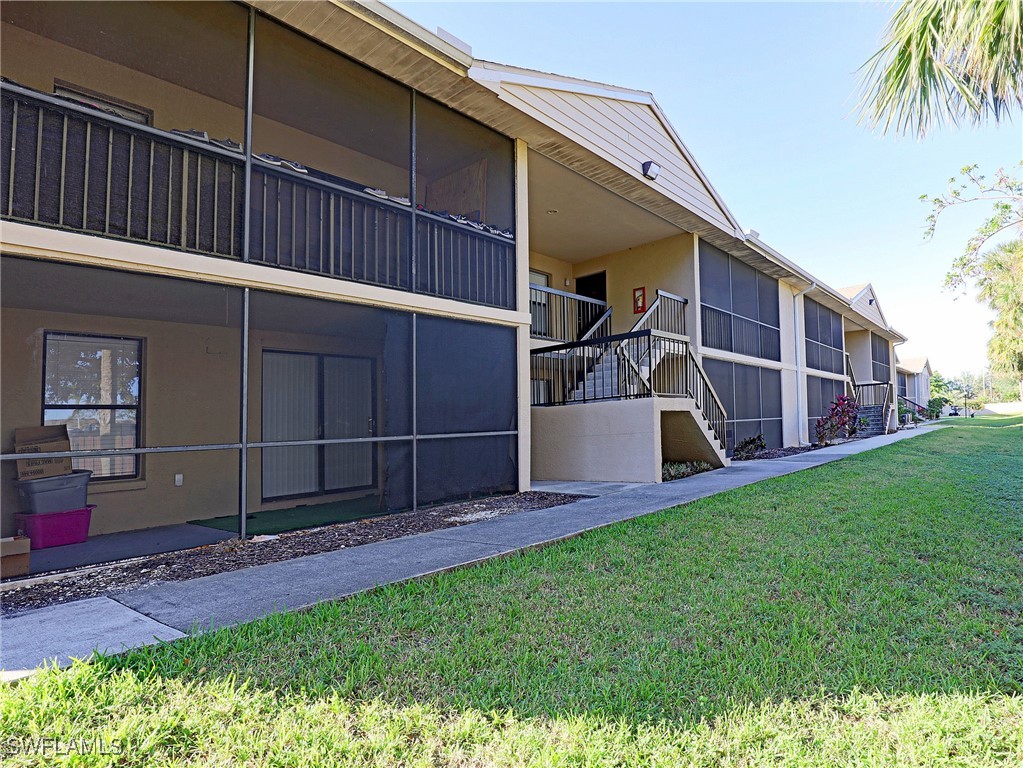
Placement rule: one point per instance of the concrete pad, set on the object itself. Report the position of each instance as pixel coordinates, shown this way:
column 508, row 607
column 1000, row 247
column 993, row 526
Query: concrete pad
column 74, row 630
column 240, row 596
column 581, row 488
column 126, row 544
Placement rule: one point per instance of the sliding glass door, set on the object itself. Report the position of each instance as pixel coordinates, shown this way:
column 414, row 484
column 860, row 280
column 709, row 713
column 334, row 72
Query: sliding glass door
column 310, row 397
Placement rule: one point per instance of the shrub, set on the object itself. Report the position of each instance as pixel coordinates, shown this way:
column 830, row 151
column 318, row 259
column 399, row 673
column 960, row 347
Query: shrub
column 676, row 470
column 840, row 420
column 749, row 448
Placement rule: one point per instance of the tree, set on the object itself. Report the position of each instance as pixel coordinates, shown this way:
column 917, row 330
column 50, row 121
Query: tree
column 1000, row 285
column 1005, row 194
column 945, row 61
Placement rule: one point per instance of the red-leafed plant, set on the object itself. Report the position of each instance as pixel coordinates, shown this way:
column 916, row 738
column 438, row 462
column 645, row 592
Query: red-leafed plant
column 840, row 420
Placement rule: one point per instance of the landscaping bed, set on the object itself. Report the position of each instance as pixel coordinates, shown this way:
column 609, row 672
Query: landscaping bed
column 231, row 555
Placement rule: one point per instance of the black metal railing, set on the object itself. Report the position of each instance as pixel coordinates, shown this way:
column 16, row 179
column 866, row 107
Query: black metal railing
column 74, row 168
column 69, row 166
column 458, row 262
column 873, row 393
column 921, row 410
column 645, row 363
column 304, row 223
column 561, row 316
column 667, row 313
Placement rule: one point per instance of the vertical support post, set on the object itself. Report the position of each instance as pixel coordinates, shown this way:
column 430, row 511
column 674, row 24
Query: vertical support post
column 250, row 70
column 243, row 453
column 243, row 465
column 413, row 248
column 415, row 419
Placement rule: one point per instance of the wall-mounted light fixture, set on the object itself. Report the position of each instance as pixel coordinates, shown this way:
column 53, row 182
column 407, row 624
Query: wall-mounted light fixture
column 870, row 302
column 651, row 170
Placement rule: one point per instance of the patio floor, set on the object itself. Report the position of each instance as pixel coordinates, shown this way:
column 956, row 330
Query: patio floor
column 125, row 544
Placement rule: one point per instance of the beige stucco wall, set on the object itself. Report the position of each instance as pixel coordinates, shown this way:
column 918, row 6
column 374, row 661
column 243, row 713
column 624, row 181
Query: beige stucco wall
column 857, row 346
column 615, row 441
column 179, row 407
column 666, row 264
column 559, row 271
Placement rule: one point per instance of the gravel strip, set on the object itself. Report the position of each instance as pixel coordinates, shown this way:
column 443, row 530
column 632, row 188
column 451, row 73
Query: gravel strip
column 234, row 554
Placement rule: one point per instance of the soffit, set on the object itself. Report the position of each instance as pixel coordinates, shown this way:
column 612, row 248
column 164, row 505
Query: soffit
column 352, row 29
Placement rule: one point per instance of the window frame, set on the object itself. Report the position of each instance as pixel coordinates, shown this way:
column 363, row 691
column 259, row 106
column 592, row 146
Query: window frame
column 137, row 407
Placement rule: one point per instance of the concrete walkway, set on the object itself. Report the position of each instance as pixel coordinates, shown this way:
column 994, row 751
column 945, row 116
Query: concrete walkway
column 170, row 610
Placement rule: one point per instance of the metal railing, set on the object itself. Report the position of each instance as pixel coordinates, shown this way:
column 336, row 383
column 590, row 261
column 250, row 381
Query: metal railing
column 458, row 262
column 645, row 363
column 873, row 393
column 69, row 166
column 311, row 225
column 561, row 316
column 667, row 313
column 921, row 410
column 74, row 168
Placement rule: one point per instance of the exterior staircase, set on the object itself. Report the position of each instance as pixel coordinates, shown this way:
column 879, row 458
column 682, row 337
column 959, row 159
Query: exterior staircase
column 877, row 420
column 653, row 360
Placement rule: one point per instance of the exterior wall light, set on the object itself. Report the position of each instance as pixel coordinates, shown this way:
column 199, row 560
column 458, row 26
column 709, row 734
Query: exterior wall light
column 651, row 170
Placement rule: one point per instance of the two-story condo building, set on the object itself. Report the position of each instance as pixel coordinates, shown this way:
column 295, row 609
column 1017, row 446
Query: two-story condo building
column 307, row 255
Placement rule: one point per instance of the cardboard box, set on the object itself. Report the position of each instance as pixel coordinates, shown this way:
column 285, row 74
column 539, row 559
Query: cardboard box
column 14, row 556
column 42, row 440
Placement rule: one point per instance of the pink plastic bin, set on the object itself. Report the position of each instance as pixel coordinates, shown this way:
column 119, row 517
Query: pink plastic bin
column 55, row 529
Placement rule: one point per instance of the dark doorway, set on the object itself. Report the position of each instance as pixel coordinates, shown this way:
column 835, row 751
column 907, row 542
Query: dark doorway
column 592, row 286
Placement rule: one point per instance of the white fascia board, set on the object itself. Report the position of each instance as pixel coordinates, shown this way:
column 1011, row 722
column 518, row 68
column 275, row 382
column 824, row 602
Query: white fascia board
column 408, row 27
column 662, row 117
column 492, row 74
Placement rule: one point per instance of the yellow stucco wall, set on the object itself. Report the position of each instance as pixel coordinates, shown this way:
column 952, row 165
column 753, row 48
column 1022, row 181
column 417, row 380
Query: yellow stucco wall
column 666, row 265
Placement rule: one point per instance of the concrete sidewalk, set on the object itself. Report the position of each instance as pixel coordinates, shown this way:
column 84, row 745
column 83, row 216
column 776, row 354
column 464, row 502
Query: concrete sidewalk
column 170, row 610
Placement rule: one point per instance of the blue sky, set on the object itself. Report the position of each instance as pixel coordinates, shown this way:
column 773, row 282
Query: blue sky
column 764, row 95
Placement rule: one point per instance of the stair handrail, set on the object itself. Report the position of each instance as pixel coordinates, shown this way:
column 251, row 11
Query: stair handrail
column 930, row 411
column 603, row 323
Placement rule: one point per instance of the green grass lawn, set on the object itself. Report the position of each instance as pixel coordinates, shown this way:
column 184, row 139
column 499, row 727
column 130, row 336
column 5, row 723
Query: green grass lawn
column 863, row 613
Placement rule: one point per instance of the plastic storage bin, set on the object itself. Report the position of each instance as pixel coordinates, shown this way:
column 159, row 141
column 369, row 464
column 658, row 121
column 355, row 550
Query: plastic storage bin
column 55, row 529
column 55, row 494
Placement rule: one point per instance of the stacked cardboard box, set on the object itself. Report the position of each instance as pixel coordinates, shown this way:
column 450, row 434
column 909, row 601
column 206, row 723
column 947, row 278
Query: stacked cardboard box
column 42, row 440
column 14, row 556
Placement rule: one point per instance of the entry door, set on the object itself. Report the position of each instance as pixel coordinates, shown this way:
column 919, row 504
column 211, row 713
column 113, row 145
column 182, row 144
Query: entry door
column 308, row 397
column 592, row 286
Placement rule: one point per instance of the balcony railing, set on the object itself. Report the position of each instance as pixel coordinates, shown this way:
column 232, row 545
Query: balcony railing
column 873, row 393
column 70, row 166
column 312, row 225
column 561, row 316
column 645, row 363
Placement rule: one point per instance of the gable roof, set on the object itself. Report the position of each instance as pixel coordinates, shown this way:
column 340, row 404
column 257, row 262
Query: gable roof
column 863, row 299
column 914, row 365
column 595, row 115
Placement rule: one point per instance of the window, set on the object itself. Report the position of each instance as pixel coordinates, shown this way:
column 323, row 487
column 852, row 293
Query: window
column 824, row 338
column 92, row 384
column 739, row 306
column 539, row 278
column 124, row 109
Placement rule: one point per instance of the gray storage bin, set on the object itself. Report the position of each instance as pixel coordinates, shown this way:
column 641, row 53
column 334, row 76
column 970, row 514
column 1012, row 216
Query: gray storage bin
column 55, row 494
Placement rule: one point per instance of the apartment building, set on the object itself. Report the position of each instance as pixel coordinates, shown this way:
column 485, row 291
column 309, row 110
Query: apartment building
column 286, row 256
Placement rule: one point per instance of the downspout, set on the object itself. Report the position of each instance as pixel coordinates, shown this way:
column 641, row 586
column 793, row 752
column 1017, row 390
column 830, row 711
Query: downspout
column 800, row 407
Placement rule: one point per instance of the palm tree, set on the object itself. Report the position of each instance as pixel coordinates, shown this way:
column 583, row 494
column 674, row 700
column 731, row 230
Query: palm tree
column 1000, row 285
column 945, row 61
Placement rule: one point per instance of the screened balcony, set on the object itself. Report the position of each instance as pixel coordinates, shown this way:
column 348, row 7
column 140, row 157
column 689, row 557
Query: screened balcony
column 128, row 121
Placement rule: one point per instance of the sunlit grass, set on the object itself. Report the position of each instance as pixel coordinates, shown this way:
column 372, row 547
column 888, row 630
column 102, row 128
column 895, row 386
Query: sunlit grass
column 865, row 612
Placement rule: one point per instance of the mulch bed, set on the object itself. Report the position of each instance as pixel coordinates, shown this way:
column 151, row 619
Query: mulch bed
column 234, row 554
